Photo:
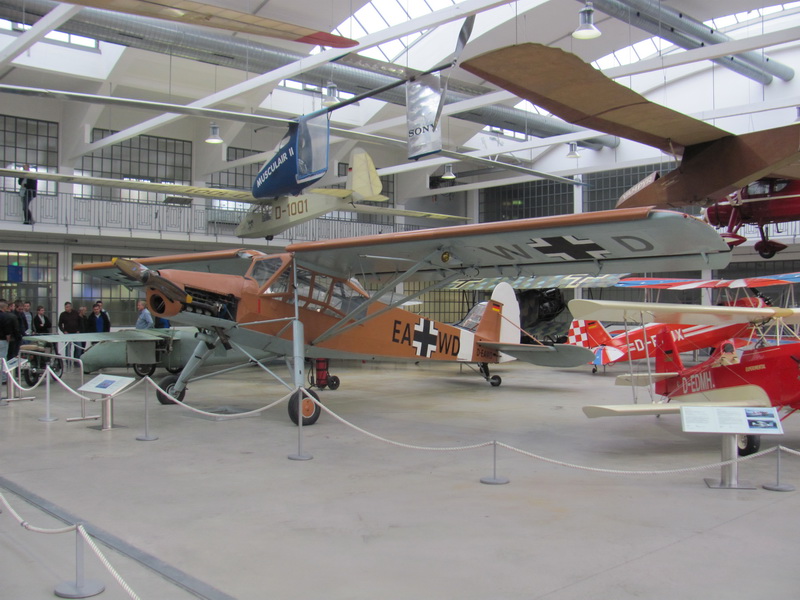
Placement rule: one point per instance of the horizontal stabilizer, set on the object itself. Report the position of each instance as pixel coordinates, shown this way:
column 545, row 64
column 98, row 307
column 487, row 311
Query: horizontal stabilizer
column 642, row 379
column 125, row 335
column 557, row 355
column 399, row 212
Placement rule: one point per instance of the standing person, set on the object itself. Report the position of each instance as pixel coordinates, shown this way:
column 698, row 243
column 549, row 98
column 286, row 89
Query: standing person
column 26, row 311
column 7, row 323
column 98, row 320
column 70, row 322
column 27, row 192
column 145, row 319
column 19, row 319
column 41, row 322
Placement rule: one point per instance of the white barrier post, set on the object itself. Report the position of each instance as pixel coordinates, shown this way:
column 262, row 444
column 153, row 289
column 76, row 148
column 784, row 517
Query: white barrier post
column 146, row 437
column 47, row 418
column 81, row 588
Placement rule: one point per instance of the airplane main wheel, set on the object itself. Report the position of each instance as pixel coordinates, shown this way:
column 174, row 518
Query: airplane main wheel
column 495, row 380
column 748, row 444
column 168, row 385
column 333, row 382
column 311, row 409
column 144, row 370
column 767, row 253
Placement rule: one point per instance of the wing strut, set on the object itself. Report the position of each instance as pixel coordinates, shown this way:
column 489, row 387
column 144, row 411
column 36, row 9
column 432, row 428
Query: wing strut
column 343, row 324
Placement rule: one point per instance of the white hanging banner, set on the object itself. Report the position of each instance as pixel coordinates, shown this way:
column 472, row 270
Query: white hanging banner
column 422, row 100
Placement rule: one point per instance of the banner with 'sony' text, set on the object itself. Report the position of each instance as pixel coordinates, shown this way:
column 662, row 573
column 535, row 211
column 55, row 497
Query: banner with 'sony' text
column 422, row 99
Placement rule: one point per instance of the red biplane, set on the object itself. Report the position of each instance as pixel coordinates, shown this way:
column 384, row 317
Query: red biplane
column 761, row 376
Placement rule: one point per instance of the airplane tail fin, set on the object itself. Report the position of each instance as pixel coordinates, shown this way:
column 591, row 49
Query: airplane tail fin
column 667, row 358
column 500, row 320
column 588, row 334
column 362, row 178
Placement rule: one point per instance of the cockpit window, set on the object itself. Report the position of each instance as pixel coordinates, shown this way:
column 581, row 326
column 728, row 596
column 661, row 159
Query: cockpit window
column 473, row 317
column 263, row 270
column 779, row 185
column 758, row 188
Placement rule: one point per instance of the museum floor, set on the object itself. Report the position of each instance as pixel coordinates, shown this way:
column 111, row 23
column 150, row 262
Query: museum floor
column 215, row 509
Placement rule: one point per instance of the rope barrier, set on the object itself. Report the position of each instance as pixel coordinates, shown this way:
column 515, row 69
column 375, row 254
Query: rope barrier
column 82, row 532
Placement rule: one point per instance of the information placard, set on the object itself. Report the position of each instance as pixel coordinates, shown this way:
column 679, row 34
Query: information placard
column 729, row 419
column 106, row 385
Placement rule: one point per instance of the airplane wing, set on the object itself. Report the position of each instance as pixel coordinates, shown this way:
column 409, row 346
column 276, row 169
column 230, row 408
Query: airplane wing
column 225, row 262
column 543, row 282
column 557, row 355
column 603, row 242
column 189, row 12
column 173, row 189
column 123, row 335
column 691, row 284
column 743, row 395
column 678, row 314
column 565, row 85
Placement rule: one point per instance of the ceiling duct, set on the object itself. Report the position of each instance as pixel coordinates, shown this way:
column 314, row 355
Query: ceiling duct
column 688, row 33
column 201, row 44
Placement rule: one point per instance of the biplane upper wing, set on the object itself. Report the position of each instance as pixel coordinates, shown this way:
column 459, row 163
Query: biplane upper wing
column 190, row 12
column 678, row 314
column 630, row 240
column 715, row 162
column 745, row 395
column 691, row 284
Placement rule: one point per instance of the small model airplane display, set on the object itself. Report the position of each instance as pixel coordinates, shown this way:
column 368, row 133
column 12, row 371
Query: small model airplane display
column 761, row 376
column 761, row 203
column 714, row 162
column 305, row 302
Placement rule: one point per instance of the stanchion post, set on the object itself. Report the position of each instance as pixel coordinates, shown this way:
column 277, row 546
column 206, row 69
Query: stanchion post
column 298, row 359
column 146, row 437
column 81, row 588
column 494, row 479
column 47, row 418
column 778, row 486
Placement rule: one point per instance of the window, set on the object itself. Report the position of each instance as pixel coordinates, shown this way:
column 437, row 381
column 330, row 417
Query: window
column 118, row 301
column 28, row 141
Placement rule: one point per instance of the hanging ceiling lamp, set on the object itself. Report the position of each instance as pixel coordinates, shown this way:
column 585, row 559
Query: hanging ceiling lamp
column 213, row 135
column 586, row 29
column 448, row 172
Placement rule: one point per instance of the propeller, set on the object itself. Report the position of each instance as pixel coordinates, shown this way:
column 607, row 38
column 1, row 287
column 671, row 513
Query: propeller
column 150, row 278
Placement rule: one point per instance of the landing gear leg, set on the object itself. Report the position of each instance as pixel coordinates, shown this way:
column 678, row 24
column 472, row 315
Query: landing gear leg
column 494, row 380
column 176, row 385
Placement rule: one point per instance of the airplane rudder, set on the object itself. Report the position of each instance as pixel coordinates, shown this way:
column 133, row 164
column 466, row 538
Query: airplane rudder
column 666, row 352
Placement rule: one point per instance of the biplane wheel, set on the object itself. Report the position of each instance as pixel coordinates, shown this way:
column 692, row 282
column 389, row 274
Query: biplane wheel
column 333, row 382
column 168, row 385
column 144, row 370
column 311, row 409
column 495, row 380
column 767, row 253
column 594, row 369
column 174, row 369
column 748, row 444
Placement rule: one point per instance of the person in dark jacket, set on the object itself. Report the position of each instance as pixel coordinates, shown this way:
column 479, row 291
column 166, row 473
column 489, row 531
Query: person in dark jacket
column 98, row 320
column 27, row 192
column 41, row 322
column 70, row 322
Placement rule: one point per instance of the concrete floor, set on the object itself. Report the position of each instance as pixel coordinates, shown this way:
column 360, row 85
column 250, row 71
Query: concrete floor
column 221, row 512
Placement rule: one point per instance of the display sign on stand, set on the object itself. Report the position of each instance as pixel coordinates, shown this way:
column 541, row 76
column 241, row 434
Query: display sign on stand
column 731, row 422
column 106, row 386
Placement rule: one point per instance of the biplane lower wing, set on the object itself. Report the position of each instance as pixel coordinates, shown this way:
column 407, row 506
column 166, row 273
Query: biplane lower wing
column 557, row 355
column 748, row 395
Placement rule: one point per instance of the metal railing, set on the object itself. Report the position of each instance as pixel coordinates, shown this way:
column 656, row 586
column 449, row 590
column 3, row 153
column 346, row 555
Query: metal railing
column 78, row 214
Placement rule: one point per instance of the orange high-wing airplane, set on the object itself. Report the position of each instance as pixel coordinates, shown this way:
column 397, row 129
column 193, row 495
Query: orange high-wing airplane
column 305, row 302
column 761, row 376
column 714, row 162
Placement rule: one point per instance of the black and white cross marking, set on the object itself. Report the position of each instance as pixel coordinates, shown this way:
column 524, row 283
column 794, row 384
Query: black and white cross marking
column 568, row 247
column 426, row 337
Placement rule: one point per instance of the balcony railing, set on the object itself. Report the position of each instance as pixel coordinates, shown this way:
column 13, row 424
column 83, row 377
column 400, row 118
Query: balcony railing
column 90, row 216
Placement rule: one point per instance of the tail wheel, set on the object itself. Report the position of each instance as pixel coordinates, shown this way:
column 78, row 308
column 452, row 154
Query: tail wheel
column 748, row 444
column 333, row 382
column 310, row 409
column 495, row 380
column 168, row 385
